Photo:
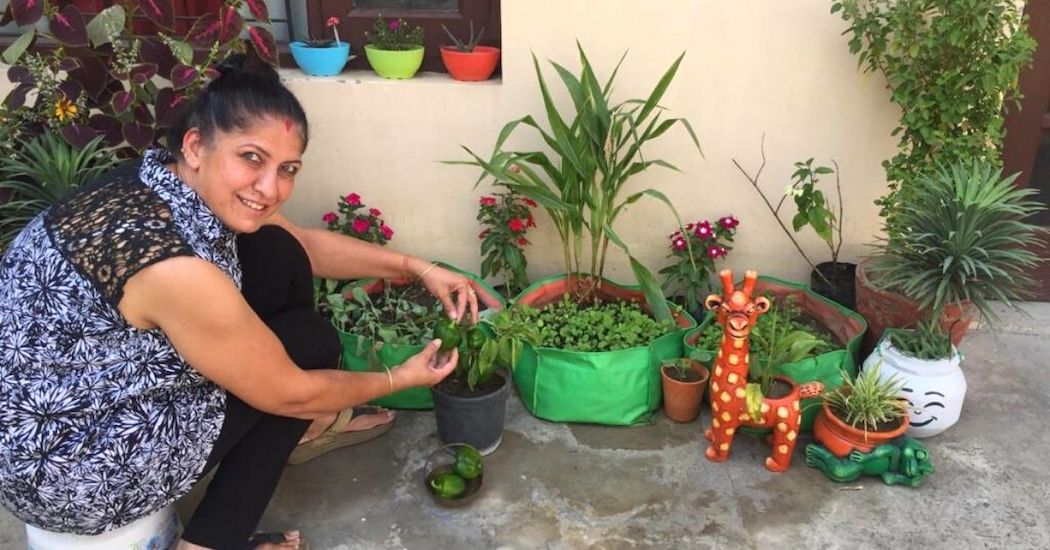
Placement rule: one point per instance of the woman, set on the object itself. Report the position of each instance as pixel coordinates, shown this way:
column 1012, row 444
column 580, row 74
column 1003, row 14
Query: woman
column 160, row 322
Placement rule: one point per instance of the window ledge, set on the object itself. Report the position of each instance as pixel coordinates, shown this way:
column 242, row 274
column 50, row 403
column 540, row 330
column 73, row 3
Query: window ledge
column 370, row 78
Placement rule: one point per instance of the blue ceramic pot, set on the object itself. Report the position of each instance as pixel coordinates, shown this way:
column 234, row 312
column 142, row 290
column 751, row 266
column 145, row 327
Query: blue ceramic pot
column 325, row 61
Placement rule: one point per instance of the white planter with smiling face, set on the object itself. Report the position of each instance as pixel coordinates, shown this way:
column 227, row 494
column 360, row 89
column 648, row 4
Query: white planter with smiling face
column 935, row 390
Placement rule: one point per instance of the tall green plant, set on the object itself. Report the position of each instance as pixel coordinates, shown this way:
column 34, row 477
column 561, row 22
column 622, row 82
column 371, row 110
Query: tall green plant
column 967, row 240
column 950, row 66
column 593, row 153
column 40, row 173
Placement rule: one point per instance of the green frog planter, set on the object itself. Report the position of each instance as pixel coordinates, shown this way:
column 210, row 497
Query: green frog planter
column 903, row 462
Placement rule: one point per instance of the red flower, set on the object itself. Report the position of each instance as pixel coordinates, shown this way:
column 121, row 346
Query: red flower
column 729, row 222
column 375, row 212
column 703, row 230
column 678, row 244
column 531, row 203
column 332, row 21
column 483, row 234
column 360, row 225
column 353, row 199
column 522, row 241
column 393, row 25
column 714, row 251
column 330, row 217
column 516, row 225
column 488, row 201
column 386, row 231
column 689, row 226
column 530, row 222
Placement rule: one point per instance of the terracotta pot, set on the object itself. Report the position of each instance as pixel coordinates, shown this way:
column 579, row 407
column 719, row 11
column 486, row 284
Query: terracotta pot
column 470, row 66
column 682, row 399
column 841, row 438
column 884, row 309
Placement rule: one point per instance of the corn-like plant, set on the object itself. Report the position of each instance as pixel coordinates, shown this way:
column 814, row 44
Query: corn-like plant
column 964, row 236
column 592, row 155
column 41, row 173
column 928, row 341
column 866, row 402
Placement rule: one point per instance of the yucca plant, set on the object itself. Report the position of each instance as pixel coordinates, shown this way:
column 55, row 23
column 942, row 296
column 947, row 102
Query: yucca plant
column 40, row 173
column 592, row 155
column 866, row 402
column 964, row 237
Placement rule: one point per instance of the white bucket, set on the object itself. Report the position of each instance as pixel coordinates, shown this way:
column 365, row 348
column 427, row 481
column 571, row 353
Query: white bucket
column 157, row 531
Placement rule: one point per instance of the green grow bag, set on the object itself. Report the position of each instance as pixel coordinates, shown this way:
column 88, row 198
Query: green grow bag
column 847, row 326
column 619, row 388
column 362, row 354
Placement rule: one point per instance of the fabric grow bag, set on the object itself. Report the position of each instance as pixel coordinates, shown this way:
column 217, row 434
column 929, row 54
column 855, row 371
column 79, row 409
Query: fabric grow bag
column 847, row 326
column 363, row 354
column 619, row 388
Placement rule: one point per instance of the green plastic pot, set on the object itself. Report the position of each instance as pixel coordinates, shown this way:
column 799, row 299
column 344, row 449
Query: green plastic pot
column 395, row 64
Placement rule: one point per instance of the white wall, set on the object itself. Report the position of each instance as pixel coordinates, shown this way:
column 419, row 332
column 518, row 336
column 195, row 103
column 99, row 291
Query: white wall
column 782, row 68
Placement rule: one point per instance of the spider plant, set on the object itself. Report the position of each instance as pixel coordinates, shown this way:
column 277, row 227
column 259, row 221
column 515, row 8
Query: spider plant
column 41, row 173
column 964, row 237
column 593, row 153
column 867, row 402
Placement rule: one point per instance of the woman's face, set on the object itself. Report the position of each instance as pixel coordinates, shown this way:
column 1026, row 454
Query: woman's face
column 244, row 176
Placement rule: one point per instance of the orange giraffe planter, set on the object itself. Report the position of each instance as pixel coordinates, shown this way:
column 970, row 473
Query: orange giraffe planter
column 737, row 311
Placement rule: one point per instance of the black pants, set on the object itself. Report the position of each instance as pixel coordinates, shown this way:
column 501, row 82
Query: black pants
column 253, row 446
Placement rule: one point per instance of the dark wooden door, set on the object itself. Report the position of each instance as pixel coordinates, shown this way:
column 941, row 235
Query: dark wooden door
column 1027, row 147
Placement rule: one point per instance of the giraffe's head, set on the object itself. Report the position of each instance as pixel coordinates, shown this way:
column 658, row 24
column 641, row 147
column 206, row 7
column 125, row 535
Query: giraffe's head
column 736, row 310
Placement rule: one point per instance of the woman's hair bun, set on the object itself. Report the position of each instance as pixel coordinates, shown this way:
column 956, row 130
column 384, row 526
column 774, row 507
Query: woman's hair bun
column 240, row 64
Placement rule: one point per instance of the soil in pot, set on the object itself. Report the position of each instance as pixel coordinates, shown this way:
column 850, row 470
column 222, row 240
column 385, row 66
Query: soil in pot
column 457, row 386
column 842, row 279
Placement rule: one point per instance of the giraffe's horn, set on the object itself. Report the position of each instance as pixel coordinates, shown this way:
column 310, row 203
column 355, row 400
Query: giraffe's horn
column 750, row 276
column 727, row 280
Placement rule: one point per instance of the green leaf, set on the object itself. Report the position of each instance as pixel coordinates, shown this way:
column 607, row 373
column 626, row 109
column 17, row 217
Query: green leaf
column 14, row 52
column 182, row 51
column 108, row 24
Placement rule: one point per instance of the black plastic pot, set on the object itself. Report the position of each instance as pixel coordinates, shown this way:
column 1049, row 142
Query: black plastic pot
column 842, row 288
column 477, row 421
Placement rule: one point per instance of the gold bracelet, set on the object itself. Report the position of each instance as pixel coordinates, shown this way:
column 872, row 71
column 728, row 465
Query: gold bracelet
column 427, row 270
column 390, row 378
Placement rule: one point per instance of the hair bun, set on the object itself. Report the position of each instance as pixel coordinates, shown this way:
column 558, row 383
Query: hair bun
column 240, row 64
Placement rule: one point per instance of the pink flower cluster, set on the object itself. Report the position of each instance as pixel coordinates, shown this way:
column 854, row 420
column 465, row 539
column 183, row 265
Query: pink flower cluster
column 706, row 237
column 365, row 226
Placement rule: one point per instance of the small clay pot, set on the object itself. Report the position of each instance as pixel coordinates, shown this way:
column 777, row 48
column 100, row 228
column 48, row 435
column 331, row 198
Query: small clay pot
column 682, row 398
column 841, row 438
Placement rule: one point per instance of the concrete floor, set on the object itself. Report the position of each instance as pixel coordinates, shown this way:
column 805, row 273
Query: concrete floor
column 560, row 486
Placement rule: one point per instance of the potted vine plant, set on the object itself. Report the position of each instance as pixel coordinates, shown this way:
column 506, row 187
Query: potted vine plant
column 932, row 53
column 929, row 367
column 322, row 57
column 688, row 280
column 469, row 405
column 683, row 381
column 394, row 48
column 466, row 60
column 861, row 414
column 966, row 245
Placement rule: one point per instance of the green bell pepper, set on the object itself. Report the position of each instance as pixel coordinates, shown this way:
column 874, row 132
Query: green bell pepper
column 468, row 463
column 448, row 485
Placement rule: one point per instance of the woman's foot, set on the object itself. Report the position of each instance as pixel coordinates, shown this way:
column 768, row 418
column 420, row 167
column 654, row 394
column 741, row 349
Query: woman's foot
column 365, row 418
column 273, row 541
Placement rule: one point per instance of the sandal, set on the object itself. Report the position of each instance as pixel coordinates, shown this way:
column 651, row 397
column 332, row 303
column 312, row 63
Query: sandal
column 335, row 436
column 260, row 539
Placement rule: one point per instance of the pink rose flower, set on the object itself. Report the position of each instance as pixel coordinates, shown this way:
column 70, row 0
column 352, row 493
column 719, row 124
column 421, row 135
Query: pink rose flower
column 703, row 230
column 488, row 201
column 360, row 225
column 386, row 231
column 330, row 217
column 516, row 225
column 729, row 222
column 353, row 199
column 375, row 212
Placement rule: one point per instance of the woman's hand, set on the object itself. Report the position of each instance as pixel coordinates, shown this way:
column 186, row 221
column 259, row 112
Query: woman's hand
column 427, row 367
column 443, row 284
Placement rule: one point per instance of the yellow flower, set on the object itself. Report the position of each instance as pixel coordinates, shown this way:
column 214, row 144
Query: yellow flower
column 64, row 109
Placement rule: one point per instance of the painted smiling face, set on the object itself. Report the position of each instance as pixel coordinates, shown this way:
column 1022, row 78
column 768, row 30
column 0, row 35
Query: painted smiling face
column 935, row 390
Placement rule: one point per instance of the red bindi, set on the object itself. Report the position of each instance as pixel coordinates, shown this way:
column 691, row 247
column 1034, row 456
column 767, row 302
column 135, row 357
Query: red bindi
column 288, row 125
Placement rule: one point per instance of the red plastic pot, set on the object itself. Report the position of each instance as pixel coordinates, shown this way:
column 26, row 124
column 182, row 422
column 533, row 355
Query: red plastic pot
column 470, row 66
